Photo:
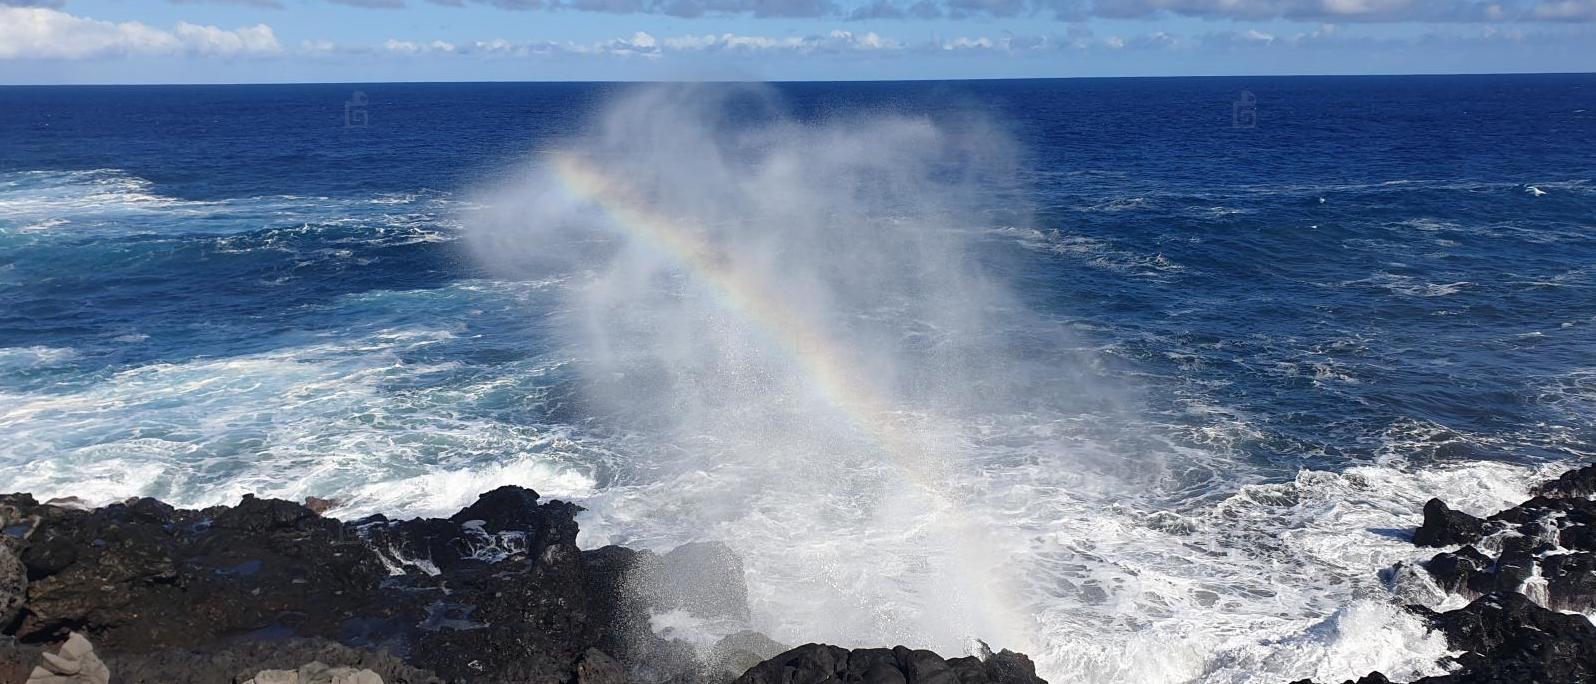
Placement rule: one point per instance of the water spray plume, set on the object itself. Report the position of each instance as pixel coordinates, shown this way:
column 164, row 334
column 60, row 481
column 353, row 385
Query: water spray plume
column 794, row 310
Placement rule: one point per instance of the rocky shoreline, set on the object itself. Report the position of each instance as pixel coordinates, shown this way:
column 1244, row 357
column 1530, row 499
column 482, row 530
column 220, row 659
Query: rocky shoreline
column 1520, row 569
column 499, row 592
column 496, row 593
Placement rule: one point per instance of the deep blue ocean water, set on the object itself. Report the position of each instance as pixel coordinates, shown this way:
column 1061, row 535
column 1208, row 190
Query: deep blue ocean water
column 1317, row 308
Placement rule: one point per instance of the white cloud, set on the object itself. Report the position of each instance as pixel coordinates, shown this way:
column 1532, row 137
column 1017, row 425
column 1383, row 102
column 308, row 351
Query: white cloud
column 43, row 33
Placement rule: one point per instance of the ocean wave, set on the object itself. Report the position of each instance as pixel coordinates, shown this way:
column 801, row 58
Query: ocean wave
column 351, row 420
column 113, row 202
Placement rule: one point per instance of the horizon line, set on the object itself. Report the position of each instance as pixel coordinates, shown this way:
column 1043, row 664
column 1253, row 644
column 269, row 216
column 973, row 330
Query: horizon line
column 792, row 81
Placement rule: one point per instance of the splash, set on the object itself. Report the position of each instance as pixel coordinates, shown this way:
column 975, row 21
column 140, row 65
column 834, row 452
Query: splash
column 821, row 359
column 796, row 316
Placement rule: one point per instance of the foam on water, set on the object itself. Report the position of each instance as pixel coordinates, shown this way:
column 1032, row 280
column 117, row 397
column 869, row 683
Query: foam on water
column 110, row 202
column 1271, row 583
column 348, row 418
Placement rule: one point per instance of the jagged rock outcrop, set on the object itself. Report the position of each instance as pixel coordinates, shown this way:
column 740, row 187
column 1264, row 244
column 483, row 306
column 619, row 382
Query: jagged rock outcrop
column 1446, row 527
column 822, row 664
column 1577, row 483
column 1506, row 638
column 1548, row 539
column 498, row 592
column 1545, row 546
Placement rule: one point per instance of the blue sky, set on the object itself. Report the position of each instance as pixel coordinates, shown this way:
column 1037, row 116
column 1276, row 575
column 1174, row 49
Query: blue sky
column 247, row 41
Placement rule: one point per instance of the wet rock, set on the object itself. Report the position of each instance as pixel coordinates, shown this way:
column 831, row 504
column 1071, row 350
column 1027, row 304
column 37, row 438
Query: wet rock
column 1513, row 566
column 1446, row 527
column 1508, row 638
column 738, row 652
column 1577, row 483
column 822, row 664
column 705, row 578
column 1371, row 678
column 1570, row 580
column 1578, row 538
column 497, row 593
column 1453, row 570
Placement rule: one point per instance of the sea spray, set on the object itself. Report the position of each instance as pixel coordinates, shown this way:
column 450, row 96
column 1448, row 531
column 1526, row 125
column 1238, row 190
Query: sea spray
column 796, row 310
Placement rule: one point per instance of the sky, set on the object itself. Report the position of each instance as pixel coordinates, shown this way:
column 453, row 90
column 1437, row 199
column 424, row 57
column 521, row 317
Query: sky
column 275, row 41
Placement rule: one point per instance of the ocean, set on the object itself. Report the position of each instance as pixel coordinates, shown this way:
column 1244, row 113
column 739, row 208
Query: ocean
column 1147, row 378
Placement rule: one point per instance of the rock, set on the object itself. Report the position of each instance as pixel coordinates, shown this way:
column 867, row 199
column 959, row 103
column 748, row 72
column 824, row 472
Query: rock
column 13, row 585
column 735, row 654
column 348, row 676
column 598, row 668
column 1508, row 638
column 1577, row 483
column 705, row 578
column 1453, row 570
column 1446, row 527
column 1570, row 580
column 269, row 569
column 1514, row 565
column 320, row 506
column 70, row 502
column 822, row 664
column 275, row 677
column 75, row 663
column 316, row 672
column 1371, row 678
column 497, row 593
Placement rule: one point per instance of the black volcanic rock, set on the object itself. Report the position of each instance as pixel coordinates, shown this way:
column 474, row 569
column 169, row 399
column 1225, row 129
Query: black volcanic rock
column 1371, row 678
column 1570, row 580
column 496, row 593
column 1577, row 483
column 1454, row 569
column 1508, row 638
column 499, row 592
column 1446, row 527
column 822, row 664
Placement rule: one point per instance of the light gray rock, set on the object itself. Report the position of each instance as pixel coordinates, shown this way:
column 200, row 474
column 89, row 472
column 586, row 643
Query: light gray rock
column 75, row 663
column 316, row 672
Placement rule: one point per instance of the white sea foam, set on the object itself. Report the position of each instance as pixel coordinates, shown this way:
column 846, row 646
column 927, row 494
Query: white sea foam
column 348, row 419
column 34, row 357
column 111, row 201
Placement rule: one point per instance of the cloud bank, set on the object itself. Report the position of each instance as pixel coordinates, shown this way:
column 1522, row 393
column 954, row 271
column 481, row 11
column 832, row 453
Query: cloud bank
column 44, row 33
column 1426, row 11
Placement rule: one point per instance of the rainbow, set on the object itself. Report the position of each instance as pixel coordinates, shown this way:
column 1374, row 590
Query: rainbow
column 820, row 358
column 824, row 363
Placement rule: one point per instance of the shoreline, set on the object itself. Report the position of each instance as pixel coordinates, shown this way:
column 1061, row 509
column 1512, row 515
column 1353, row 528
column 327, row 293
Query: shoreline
column 499, row 592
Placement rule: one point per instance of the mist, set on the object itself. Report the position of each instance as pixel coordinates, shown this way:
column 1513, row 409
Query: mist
column 794, row 328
